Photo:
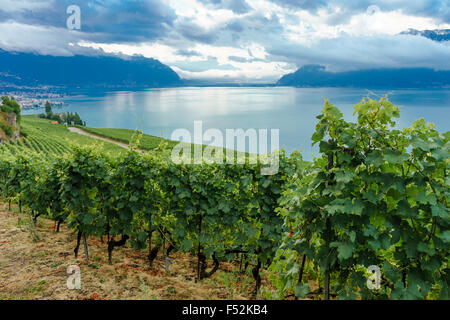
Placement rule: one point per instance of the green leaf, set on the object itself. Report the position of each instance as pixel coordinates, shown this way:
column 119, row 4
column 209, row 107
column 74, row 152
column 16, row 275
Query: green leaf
column 372, row 197
column 440, row 154
column 301, row 290
column 142, row 236
column 440, row 211
column 375, row 159
column 411, row 248
column 345, row 249
column 423, row 247
column 335, row 206
column 186, row 245
column 345, row 176
column 431, row 265
column 405, row 210
column 294, row 270
column 358, row 207
column 420, row 144
column 424, row 198
column 445, row 291
column 326, row 147
column 445, row 236
column 87, row 219
column 395, row 157
column 352, row 236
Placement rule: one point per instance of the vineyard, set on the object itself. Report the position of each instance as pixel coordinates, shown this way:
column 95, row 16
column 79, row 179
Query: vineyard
column 124, row 135
column 376, row 196
column 44, row 138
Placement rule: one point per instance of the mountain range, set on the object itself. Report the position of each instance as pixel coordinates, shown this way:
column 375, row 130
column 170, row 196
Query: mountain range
column 438, row 35
column 28, row 69
column 317, row 76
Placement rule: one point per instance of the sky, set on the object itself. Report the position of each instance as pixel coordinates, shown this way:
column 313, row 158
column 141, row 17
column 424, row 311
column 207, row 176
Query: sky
column 235, row 41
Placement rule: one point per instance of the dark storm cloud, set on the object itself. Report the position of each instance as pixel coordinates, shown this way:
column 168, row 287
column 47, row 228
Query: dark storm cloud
column 254, row 27
column 353, row 53
column 109, row 20
column 439, row 9
column 192, row 31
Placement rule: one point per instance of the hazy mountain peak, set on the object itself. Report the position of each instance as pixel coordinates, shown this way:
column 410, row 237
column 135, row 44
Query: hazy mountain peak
column 439, row 35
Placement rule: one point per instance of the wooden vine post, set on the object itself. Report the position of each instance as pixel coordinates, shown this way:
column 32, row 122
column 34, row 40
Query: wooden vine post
column 199, row 250
column 86, row 251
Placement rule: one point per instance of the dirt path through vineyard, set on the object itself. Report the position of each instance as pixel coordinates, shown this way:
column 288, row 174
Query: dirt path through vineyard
column 94, row 136
column 36, row 269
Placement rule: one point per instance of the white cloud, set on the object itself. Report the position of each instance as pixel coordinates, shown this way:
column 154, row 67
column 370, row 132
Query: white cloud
column 39, row 39
column 313, row 27
column 255, row 68
column 392, row 23
column 204, row 17
column 254, row 72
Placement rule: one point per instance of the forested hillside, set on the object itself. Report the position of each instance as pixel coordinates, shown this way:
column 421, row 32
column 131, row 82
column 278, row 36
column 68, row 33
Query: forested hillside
column 27, row 69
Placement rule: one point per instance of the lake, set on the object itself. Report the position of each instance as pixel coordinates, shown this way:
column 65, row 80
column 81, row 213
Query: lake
column 291, row 110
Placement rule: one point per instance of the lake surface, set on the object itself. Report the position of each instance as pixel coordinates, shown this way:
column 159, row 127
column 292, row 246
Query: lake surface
column 291, row 110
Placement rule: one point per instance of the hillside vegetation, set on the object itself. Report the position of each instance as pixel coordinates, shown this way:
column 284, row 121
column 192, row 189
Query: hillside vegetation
column 43, row 137
column 147, row 142
column 9, row 119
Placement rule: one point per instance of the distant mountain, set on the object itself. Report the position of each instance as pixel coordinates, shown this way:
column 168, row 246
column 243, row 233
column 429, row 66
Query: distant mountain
column 317, row 76
column 439, row 35
column 27, row 69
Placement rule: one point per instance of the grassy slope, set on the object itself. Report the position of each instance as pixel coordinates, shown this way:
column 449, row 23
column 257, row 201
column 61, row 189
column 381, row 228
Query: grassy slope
column 148, row 142
column 42, row 136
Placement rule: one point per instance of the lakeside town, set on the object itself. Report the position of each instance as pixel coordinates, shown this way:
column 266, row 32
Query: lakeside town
column 35, row 99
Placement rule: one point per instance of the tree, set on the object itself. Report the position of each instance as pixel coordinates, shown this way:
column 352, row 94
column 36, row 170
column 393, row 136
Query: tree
column 48, row 108
column 63, row 117
column 9, row 105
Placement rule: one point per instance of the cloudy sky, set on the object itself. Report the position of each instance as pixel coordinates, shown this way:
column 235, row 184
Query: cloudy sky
column 235, row 40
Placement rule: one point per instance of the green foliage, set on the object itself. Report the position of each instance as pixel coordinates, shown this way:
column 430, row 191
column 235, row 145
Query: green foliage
column 48, row 108
column 82, row 183
column 62, row 118
column 6, row 127
column 73, row 119
column 9, row 105
column 376, row 196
